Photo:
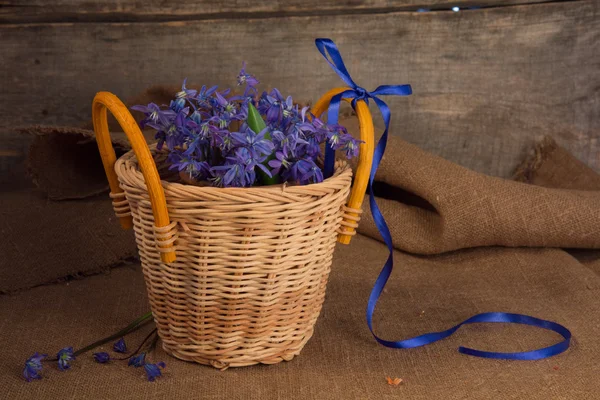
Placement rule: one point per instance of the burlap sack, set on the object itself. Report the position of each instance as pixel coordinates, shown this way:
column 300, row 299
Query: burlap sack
column 434, row 206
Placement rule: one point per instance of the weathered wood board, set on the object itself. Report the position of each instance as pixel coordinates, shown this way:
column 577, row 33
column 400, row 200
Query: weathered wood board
column 13, row 11
column 486, row 82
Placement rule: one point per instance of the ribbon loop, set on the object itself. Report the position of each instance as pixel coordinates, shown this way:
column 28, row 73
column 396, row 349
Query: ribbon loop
column 332, row 55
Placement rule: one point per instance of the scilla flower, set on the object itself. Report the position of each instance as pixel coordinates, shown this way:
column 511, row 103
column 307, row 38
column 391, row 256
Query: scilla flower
column 254, row 142
column 33, row 366
column 137, row 361
column 244, row 78
column 153, row 370
column 186, row 93
column 120, row 346
column 65, row 356
column 101, row 358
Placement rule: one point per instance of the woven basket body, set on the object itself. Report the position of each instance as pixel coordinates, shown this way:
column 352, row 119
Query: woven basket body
column 252, row 263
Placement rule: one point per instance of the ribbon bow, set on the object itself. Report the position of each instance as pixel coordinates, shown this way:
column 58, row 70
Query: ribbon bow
column 330, row 51
column 332, row 55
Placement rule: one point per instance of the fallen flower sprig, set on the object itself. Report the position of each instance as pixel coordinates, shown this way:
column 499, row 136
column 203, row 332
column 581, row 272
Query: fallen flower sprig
column 66, row 356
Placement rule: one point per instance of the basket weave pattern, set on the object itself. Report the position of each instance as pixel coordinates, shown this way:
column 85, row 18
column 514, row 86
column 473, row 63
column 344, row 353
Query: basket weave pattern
column 252, row 264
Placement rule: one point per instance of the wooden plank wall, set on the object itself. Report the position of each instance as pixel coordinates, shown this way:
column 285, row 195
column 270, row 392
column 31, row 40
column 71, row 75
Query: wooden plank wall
column 487, row 81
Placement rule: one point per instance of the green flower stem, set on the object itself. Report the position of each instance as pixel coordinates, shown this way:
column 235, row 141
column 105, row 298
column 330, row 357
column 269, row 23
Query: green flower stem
column 134, row 326
column 257, row 124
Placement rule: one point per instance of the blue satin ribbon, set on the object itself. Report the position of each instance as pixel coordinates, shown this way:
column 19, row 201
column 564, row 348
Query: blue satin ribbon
column 330, row 51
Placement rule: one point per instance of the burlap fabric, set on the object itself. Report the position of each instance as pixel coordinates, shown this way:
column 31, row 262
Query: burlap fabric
column 341, row 361
column 425, row 293
column 45, row 241
column 434, row 206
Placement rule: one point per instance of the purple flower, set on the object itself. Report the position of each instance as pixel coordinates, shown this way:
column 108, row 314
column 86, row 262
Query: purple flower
column 194, row 168
column 33, row 366
column 101, row 358
column 350, row 146
column 235, row 175
column 153, row 370
column 288, row 141
column 271, row 105
column 177, row 105
column 137, row 361
column 120, row 346
column 245, row 78
column 335, row 135
column 227, row 106
column 282, row 160
column 221, row 120
column 255, row 142
column 176, row 132
column 217, row 177
column 288, row 109
column 311, row 173
column 298, row 170
column 186, row 93
column 239, row 169
column 155, row 115
column 222, row 139
column 204, row 95
column 65, row 356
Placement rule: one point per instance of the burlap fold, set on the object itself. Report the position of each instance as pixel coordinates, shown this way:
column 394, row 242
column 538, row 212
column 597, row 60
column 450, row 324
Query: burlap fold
column 433, row 206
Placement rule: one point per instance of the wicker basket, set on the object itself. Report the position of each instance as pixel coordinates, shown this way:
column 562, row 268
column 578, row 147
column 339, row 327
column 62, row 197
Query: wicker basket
column 235, row 276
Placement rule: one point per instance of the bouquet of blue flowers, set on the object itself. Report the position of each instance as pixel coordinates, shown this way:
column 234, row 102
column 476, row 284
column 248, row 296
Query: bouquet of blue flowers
column 229, row 139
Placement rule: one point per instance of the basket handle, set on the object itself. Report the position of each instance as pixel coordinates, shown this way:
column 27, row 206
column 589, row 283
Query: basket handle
column 365, row 161
column 104, row 101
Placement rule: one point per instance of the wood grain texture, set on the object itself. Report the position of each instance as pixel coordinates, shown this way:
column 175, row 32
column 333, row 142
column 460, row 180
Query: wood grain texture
column 27, row 11
column 486, row 82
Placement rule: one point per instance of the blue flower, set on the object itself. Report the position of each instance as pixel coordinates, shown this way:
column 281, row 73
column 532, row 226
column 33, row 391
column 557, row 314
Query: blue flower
column 282, row 160
column 335, row 134
column 137, row 361
column 222, row 139
column 255, row 142
column 238, row 170
column 350, row 146
column 175, row 133
column 311, row 173
column 33, row 366
column 204, row 96
column 245, row 78
column 153, row 370
column 194, row 168
column 155, row 115
column 288, row 141
column 120, row 346
column 227, row 106
column 65, row 356
column 186, row 93
column 101, row 358
column 217, row 177
column 288, row 109
column 177, row 105
column 271, row 105
column 299, row 169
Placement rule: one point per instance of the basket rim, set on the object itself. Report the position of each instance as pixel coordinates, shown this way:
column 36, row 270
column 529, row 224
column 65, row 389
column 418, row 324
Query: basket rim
column 342, row 173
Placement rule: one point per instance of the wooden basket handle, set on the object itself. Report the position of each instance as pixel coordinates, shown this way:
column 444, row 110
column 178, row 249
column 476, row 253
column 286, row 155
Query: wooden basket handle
column 104, row 101
column 365, row 161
